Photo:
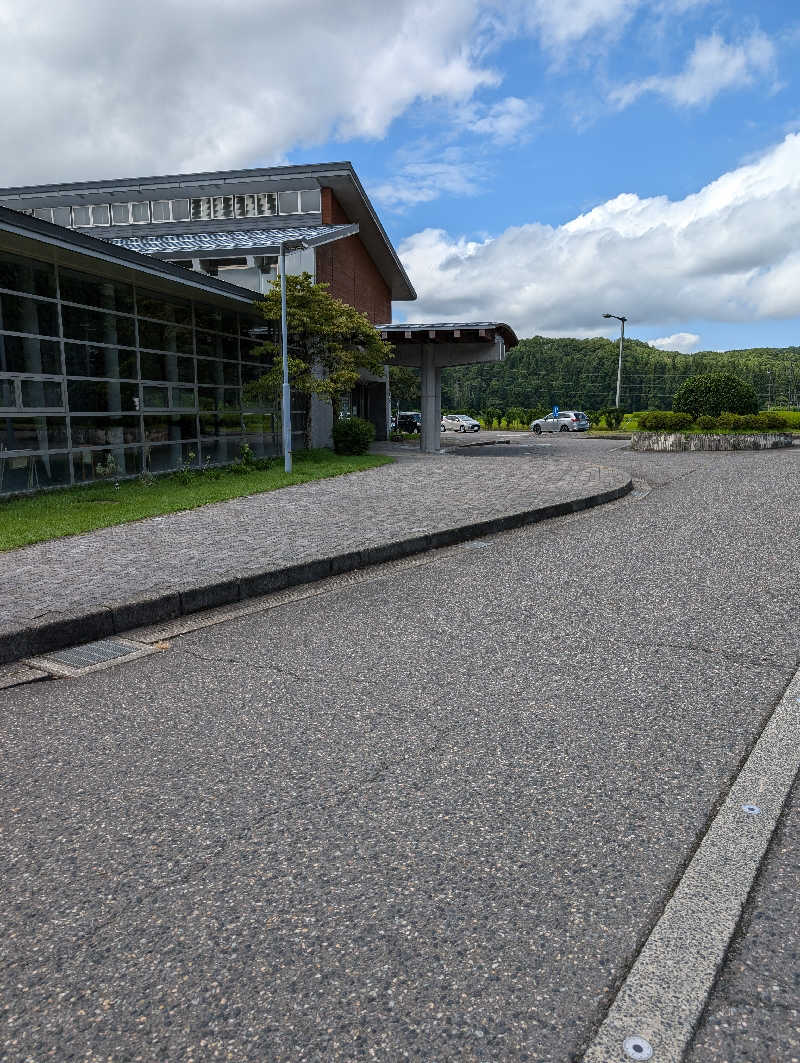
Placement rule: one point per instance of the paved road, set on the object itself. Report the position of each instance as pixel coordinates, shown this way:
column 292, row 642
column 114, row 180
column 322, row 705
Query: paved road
column 428, row 816
column 241, row 540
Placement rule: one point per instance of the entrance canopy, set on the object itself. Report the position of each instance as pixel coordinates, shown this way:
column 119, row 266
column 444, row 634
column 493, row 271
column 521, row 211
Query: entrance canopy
column 432, row 348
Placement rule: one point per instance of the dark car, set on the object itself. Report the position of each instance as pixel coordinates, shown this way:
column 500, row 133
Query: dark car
column 410, row 422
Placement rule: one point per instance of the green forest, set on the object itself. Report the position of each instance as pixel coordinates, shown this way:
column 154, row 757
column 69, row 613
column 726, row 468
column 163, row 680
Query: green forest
column 582, row 374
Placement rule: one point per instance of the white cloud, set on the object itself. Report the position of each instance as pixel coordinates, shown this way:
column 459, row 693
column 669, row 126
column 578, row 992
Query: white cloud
column 728, row 252
column 685, row 342
column 713, row 67
column 92, row 89
column 421, row 182
column 507, row 120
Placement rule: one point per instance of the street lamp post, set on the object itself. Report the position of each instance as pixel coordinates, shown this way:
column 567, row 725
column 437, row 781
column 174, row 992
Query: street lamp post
column 286, row 395
column 622, row 321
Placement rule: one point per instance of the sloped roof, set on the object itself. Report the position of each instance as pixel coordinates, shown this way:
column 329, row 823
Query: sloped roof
column 261, row 241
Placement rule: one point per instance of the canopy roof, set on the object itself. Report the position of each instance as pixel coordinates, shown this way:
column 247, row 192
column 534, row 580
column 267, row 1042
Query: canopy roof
column 221, row 244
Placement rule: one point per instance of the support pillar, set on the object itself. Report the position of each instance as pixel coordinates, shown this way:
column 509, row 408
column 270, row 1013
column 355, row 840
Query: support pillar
column 431, row 402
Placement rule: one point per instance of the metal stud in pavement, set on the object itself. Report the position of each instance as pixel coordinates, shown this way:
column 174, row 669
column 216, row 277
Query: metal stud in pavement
column 751, row 810
column 637, row 1047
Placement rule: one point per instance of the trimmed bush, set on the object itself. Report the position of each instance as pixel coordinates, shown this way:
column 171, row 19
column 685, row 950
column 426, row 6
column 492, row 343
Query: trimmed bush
column 707, row 423
column 352, row 435
column 612, row 415
column 664, row 421
column 708, row 394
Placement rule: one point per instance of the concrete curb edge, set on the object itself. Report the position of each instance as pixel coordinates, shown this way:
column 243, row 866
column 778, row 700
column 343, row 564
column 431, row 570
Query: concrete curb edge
column 76, row 627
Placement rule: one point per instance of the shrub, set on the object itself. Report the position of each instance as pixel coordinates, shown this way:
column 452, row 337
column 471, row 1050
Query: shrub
column 664, row 421
column 705, row 422
column 613, row 415
column 710, row 393
column 352, row 435
column 775, row 422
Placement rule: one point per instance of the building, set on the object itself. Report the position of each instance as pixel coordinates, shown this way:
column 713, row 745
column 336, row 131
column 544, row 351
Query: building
column 126, row 310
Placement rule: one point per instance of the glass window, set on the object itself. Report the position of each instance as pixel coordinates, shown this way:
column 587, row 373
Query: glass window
column 98, row 431
column 180, row 210
column 81, row 216
column 157, row 366
column 62, row 216
column 245, row 206
column 252, row 372
column 84, row 288
column 85, row 462
column 201, row 209
column 95, row 326
column 140, row 212
column 18, row 313
column 220, row 424
column 170, row 427
column 266, row 204
column 34, row 433
column 164, row 337
column 184, row 397
column 166, row 308
column 212, row 345
column 29, row 354
column 8, row 393
column 310, row 201
column 101, row 214
column 288, row 203
column 121, row 213
column 87, row 359
column 211, row 317
column 222, row 206
column 43, row 213
column 153, row 397
column 26, row 275
column 38, row 394
column 102, row 395
column 161, row 210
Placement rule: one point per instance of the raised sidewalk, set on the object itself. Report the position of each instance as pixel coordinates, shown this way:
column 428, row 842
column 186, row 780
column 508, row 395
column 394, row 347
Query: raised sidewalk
column 89, row 586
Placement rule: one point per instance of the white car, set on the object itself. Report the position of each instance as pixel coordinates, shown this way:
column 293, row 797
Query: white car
column 460, row 422
column 565, row 421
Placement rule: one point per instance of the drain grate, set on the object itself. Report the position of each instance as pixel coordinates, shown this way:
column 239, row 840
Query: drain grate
column 92, row 656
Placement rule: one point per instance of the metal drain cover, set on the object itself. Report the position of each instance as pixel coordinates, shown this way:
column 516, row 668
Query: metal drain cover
column 92, row 656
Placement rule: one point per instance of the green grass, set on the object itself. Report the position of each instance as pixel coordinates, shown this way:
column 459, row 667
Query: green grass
column 53, row 514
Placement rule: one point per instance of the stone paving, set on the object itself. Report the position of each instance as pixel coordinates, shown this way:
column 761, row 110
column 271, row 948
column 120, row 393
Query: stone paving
column 418, row 494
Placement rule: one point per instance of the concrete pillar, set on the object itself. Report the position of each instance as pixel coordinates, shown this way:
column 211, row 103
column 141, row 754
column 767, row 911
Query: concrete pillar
column 431, row 402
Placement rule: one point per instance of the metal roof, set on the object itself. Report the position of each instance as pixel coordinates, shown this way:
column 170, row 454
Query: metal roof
column 36, row 231
column 339, row 176
column 447, row 332
column 260, row 241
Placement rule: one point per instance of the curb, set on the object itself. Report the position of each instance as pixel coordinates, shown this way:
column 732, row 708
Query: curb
column 75, row 627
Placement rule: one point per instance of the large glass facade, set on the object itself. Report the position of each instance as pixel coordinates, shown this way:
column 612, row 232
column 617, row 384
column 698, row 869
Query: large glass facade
column 92, row 368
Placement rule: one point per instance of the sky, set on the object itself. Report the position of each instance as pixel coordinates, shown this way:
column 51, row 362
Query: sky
column 533, row 161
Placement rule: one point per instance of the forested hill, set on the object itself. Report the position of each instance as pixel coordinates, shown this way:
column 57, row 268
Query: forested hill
column 583, row 374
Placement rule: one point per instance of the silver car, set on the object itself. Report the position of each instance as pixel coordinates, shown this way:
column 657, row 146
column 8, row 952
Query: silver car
column 460, row 422
column 566, row 421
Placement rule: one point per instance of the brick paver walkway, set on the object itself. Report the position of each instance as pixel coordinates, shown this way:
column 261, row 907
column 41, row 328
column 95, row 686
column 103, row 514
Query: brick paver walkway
column 258, row 533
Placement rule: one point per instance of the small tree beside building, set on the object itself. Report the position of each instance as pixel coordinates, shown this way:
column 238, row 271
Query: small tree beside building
column 329, row 343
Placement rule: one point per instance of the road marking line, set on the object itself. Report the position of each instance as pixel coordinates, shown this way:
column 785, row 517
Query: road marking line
column 665, row 991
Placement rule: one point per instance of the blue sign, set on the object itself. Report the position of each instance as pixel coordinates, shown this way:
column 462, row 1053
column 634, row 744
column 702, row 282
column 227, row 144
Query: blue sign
column 555, row 411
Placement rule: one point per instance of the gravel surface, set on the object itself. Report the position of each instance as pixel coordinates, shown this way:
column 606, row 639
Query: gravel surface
column 431, row 816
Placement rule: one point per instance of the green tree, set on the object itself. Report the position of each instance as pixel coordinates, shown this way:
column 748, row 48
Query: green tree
column 710, row 394
column 404, row 384
column 329, row 340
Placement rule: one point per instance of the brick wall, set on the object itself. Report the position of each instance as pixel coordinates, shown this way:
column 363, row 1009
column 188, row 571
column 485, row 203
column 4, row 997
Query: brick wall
column 347, row 267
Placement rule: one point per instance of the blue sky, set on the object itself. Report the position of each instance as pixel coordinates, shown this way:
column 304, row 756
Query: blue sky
column 533, row 162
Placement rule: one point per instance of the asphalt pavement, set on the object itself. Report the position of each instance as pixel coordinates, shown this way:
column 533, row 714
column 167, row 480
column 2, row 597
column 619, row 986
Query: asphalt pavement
column 429, row 811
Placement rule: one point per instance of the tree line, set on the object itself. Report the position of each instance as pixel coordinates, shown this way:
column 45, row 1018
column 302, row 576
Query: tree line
column 582, row 374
